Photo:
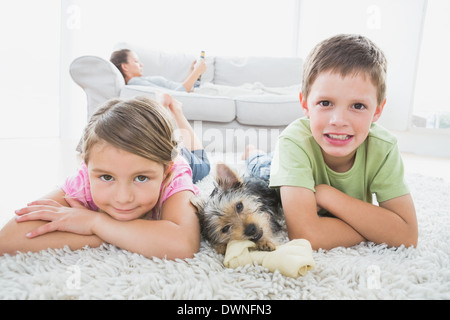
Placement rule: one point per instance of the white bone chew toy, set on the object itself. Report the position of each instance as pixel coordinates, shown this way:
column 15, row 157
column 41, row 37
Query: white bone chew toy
column 291, row 259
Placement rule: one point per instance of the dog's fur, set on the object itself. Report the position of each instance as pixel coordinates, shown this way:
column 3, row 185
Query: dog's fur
column 239, row 209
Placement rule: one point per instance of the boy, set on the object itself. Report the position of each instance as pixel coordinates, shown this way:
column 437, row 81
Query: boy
column 335, row 159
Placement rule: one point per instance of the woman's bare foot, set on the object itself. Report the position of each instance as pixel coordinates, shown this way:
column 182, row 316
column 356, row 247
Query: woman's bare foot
column 249, row 150
column 183, row 127
column 170, row 102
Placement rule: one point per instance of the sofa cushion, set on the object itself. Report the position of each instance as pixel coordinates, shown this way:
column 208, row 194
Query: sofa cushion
column 270, row 71
column 195, row 106
column 268, row 110
column 207, row 108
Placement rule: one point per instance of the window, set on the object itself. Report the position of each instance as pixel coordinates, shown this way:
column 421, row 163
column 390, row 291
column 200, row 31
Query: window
column 395, row 26
column 431, row 104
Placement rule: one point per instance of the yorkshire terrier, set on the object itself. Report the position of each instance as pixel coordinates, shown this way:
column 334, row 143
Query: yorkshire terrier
column 239, row 209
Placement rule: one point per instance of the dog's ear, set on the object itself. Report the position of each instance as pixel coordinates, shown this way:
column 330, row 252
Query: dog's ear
column 199, row 204
column 225, row 176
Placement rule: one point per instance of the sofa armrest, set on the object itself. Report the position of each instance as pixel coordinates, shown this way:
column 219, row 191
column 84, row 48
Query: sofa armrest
column 99, row 79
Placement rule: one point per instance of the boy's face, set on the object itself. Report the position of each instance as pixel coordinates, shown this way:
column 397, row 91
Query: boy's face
column 341, row 111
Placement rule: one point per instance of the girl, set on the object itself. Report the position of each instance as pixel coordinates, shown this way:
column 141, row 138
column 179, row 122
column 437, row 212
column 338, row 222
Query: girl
column 132, row 190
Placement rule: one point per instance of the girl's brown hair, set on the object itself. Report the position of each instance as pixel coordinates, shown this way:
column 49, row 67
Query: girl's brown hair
column 346, row 54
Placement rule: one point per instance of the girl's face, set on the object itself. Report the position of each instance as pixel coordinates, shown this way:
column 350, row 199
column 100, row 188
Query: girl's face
column 124, row 185
column 341, row 111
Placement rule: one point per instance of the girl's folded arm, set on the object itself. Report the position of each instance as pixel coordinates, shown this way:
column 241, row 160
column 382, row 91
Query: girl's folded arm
column 176, row 235
column 13, row 236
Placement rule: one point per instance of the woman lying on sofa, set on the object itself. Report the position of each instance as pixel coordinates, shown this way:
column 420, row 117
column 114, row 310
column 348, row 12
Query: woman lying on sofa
column 131, row 68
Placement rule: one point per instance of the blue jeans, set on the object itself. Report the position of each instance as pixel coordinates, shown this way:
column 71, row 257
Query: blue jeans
column 258, row 165
column 198, row 161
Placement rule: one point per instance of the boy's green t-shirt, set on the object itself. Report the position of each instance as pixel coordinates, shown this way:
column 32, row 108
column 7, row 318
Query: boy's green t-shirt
column 378, row 167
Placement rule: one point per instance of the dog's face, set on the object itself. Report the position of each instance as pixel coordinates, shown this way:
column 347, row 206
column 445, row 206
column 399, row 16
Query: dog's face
column 235, row 211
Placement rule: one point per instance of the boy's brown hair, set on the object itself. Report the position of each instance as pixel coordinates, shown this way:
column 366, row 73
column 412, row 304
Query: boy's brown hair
column 345, row 54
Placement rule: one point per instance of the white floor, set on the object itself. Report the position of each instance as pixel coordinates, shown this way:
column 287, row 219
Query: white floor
column 30, row 168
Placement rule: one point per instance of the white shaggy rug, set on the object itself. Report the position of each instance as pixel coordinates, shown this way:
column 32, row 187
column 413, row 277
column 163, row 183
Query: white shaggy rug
column 365, row 271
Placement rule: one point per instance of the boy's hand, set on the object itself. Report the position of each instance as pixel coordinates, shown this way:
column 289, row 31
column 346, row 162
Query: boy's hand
column 76, row 218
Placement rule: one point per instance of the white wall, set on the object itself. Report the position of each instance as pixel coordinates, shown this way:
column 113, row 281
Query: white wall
column 29, row 68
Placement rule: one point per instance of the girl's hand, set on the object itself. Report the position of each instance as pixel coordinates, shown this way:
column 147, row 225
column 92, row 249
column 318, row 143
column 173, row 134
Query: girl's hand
column 76, row 218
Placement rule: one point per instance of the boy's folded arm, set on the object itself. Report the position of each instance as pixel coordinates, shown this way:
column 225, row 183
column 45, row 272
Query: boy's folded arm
column 394, row 222
column 303, row 222
column 403, row 207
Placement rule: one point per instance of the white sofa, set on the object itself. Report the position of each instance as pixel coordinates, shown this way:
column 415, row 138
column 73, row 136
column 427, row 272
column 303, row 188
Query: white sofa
column 225, row 124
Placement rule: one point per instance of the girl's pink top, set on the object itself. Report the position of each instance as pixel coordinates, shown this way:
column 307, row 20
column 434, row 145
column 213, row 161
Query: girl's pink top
column 78, row 186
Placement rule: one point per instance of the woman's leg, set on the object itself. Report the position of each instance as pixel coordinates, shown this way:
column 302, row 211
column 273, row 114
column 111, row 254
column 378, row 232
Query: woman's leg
column 257, row 162
column 198, row 161
column 193, row 151
column 190, row 140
